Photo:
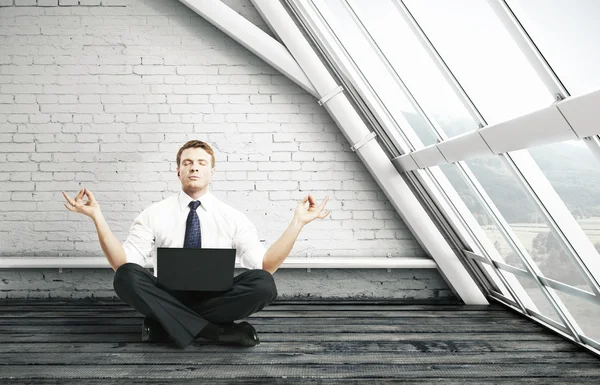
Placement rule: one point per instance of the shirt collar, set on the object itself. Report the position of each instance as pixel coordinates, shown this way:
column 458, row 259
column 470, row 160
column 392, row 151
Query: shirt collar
column 206, row 201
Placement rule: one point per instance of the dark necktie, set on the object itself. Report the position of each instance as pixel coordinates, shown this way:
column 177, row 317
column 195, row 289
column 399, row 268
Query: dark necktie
column 193, row 238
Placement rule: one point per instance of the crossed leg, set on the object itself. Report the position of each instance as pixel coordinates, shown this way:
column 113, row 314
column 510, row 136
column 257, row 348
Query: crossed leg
column 184, row 314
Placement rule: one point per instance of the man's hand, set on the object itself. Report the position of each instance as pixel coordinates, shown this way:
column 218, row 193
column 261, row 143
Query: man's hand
column 305, row 215
column 90, row 208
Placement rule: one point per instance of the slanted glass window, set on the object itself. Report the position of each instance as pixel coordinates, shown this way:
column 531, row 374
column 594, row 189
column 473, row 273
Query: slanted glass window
column 483, row 57
column 526, row 220
column 574, row 174
column 566, row 32
column 488, row 225
column 414, row 65
column 343, row 23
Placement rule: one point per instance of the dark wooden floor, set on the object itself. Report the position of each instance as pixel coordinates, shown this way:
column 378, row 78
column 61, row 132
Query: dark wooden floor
column 84, row 342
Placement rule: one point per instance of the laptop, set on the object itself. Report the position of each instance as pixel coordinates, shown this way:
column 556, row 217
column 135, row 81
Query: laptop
column 195, row 269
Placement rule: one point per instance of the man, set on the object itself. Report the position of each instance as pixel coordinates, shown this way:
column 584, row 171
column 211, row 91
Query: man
column 195, row 218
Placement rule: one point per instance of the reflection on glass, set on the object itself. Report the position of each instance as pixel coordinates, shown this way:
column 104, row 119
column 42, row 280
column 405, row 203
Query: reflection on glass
column 574, row 173
column 585, row 313
column 414, row 66
column 572, row 48
column 481, row 215
column 483, row 57
column 343, row 24
column 525, row 220
column 537, row 297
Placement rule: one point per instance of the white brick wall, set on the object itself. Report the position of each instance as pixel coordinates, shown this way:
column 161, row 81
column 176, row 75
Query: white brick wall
column 103, row 97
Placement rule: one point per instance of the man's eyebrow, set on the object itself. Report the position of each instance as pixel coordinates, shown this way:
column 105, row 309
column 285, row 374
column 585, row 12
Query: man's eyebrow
column 198, row 159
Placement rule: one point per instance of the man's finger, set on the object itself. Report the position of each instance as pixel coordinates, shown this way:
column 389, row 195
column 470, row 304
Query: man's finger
column 89, row 194
column 322, row 206
column 68, row 199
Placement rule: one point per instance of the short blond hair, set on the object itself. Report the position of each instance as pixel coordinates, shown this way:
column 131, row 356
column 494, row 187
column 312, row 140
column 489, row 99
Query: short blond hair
column 196, row 144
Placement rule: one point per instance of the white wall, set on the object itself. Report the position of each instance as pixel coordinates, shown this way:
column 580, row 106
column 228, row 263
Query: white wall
column 102, row 97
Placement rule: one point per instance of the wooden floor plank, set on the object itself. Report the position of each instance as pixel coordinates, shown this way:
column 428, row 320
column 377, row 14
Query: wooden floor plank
column 299, row 337
column 426, row 346
column 294, row 304
column 99, row 342
column 293, row 328
column 269, row 312
column 311, row 381
column 285, row 358
column 454, row 322
column 483, row 371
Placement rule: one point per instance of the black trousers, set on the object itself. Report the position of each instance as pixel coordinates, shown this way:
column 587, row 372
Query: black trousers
column 183, row 314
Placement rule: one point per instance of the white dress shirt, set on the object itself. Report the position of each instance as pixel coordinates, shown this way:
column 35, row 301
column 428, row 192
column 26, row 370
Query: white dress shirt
column 163, row 225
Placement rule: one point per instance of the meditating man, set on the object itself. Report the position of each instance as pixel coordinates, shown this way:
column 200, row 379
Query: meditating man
column 195, row 218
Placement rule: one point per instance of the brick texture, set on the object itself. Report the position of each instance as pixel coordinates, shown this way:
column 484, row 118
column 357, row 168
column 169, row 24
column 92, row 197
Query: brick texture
column 103, row 97
column 415, row 285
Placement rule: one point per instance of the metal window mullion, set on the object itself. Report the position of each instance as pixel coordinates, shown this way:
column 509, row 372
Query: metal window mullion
column 463, row 97
column 593, row 143
column 573, row 291
column 464, row 216
column 554, row 284
column 523, row 254
column 586, row 343
column 457, row 88
column 317, row 37
column 486, row 202
column 443, row 208
column 413, row 136
column 593, row 343
column 556, row 304
column 574, row 242
column 434, row 127
column 437, row 130
column 540, row 318
column 529, row 49
column 548, row 199
column 391, row 135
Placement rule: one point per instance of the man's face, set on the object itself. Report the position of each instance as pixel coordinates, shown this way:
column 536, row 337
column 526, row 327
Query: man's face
column 195, row 170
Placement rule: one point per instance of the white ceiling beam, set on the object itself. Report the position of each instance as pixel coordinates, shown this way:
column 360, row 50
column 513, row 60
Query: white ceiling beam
column 253, row 38
column 570, row 119
column 372, row 154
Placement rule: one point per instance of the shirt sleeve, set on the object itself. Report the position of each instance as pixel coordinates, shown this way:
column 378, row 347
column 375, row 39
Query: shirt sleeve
column 140, row 241
column 249, row 250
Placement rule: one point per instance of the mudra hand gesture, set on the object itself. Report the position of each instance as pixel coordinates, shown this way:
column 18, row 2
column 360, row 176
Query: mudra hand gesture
column 307, row 214
column 89, row 208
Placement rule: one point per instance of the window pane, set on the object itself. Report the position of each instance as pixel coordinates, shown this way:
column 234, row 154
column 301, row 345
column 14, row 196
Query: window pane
column 420, row 74
column 542, row 304
column 481, row 215
column 482, row 56
column 525, row 220
column 585, row 313
column 573, row 172
column 566, row 32
column 341, row 21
